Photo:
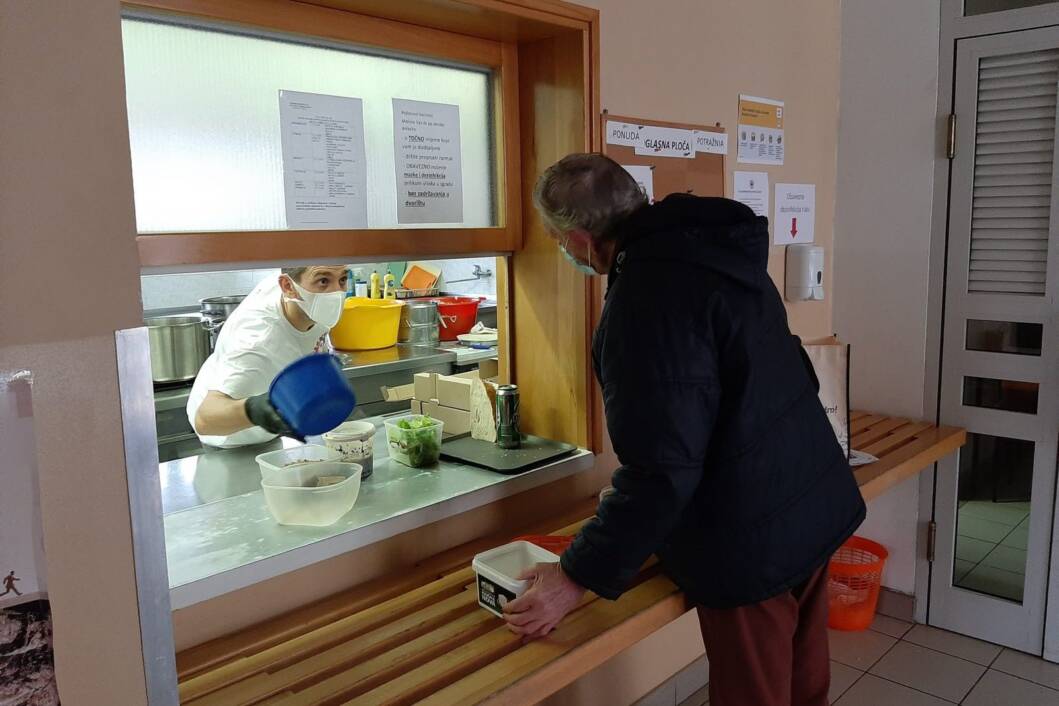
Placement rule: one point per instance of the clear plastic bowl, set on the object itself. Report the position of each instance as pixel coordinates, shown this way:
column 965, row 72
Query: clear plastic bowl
column 293, row 466
column 414, row 447
column 305, row 504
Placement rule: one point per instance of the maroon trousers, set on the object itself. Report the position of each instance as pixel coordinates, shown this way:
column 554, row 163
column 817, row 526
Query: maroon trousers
column 772, row 653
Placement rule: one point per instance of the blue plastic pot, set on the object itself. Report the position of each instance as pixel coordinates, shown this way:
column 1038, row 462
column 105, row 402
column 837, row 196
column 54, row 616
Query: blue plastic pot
column 312, row 394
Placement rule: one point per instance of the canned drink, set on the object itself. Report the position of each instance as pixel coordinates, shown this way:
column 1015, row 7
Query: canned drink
column 507, row 432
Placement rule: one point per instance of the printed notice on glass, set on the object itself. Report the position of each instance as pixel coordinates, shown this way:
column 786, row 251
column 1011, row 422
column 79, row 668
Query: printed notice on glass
column 752, row 189
column 795, row 218
column 325, row 177
column 644, row 178
column 760, row 130
column 427, row 160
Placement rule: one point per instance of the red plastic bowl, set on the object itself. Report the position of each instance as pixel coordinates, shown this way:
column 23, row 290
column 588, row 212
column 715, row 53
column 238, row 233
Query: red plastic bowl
column 458, row 315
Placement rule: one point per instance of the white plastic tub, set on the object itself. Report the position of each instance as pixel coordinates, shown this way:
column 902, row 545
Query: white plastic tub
column 498, row 569
column 353, row 442
column 293, row 466
column 305, row 504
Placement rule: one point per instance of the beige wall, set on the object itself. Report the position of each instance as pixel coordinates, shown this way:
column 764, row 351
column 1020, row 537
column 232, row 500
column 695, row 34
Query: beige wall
column 68, row 264
column 66, row 205
column 882, row 225
column 688, row 61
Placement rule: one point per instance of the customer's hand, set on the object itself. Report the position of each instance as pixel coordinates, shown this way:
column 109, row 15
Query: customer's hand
column 537, row 611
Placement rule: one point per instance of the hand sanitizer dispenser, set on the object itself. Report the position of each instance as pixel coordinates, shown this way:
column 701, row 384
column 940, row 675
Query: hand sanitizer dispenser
column 804, row 280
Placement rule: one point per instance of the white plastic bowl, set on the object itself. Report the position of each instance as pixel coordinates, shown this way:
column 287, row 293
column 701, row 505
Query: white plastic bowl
column 498, row 570
column 304, row 504
column 293, row 466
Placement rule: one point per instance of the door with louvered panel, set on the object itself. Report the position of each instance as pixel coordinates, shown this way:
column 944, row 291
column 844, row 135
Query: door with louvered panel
column 994, row 503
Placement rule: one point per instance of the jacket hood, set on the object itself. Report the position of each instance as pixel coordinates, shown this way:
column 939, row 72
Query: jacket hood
column 718, row 234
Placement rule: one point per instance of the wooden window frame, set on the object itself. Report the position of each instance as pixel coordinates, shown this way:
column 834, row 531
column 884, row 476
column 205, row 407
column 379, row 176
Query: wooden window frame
column 301, row 19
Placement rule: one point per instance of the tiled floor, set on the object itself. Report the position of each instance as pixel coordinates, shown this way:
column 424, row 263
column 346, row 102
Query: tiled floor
column 900, row 664
column 991, row 547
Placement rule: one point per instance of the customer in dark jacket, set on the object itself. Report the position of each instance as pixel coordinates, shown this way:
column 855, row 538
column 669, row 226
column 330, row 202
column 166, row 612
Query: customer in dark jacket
column 730, row 470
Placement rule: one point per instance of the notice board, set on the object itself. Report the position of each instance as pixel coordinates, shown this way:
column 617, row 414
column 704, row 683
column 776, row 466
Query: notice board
column 682, row 157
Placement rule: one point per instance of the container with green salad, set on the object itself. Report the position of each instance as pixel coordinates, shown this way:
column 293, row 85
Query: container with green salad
column 414, row 440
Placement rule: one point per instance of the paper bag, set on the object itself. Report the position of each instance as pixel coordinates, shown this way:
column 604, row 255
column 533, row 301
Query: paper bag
column 830, row 360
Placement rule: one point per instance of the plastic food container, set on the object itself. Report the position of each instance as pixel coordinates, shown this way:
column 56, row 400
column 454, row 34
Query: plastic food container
column 457, row 315
column 305, row 504
column 414, row 447
column 312, row 394
column 293, row 466
column 554, row 543
column 498, row 569
column 353, row 442
column 367, row 324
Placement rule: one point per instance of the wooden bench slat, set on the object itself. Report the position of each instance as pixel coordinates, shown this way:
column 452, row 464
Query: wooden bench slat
column 324, row 637
column 903, row 462
column 314, row 668
column 365, row 676
column 855, row 427
column 577, row 629
column 897, row 438
column 877, row 431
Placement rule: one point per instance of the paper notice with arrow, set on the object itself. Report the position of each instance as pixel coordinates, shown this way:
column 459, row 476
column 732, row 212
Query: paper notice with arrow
column 795, row 214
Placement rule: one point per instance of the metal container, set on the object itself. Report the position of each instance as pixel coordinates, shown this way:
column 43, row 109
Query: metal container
column 179, row 346
column 508, row 435
column 419, row 323
column 215, row 311
column 220, row 307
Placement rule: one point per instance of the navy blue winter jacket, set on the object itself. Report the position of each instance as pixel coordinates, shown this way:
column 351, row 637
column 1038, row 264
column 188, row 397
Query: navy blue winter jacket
column 730, row 471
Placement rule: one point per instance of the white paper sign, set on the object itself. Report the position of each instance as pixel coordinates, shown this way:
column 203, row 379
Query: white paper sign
column 666, row 142
column 752, row 189
column 21, row 543
column 711, row 142
column 644, row 176
column 625, row 134
column 325, row 177
column 795, row 214
column 428, row 162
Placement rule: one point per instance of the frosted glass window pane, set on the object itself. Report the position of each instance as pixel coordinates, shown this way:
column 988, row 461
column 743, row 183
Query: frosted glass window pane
column 205, row 133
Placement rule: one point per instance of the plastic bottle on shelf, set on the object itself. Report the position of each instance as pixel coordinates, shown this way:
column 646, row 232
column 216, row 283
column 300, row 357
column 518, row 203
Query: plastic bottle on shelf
column 375, row 292
column 389, row 286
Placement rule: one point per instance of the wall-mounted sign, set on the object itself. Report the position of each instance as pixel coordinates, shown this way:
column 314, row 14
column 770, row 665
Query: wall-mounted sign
column 666, row 142
column 625, row 134
column 795, row 218
column 428, row 162
column 752, row 189
column 711, row 142
column 760, row 131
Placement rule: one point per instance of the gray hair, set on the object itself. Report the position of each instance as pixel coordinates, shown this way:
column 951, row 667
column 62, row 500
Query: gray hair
column 589, row 192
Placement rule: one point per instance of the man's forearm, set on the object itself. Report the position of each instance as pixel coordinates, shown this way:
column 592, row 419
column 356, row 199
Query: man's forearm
column 220, row 415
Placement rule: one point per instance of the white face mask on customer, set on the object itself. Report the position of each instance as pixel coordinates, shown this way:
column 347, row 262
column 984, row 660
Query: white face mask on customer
column 325, row 308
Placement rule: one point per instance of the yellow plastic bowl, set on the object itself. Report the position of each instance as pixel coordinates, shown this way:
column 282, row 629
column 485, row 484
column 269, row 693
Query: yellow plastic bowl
column 367, row 324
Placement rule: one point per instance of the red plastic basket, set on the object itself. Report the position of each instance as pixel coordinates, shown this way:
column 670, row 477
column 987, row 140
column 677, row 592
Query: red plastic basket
column 458, row 315
column 556, row 544
column 854, row 578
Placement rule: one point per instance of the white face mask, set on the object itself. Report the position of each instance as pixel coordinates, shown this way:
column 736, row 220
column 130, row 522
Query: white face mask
column 323, row 308
column 581, row 267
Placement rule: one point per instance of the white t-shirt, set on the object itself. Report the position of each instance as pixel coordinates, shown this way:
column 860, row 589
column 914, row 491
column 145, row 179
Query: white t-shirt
column 255, row 344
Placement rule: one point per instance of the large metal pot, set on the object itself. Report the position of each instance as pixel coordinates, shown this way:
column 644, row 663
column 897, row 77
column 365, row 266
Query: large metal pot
column 179, row 346
column 419, row 323
column 215, row 311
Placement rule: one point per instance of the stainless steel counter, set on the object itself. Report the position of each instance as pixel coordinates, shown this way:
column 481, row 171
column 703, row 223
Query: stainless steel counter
column 357, row 364
column 220, row 536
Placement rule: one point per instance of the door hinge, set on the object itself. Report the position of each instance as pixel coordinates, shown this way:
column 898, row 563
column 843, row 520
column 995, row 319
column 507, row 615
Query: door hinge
column 932, row 539
column 950, row 143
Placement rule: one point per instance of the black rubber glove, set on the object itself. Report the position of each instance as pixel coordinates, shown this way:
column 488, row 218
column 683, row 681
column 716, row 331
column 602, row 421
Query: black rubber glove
column 260, row 411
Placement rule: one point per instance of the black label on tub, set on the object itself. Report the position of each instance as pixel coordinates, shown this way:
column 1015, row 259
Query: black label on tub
column 493, row 596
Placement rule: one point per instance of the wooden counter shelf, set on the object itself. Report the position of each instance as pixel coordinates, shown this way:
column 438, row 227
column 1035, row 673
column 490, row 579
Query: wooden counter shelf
column 421, row 637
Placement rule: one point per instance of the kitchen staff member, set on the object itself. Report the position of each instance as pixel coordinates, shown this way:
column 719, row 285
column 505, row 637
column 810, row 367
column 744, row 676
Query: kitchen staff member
column 731, row 472
column 280, row 321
